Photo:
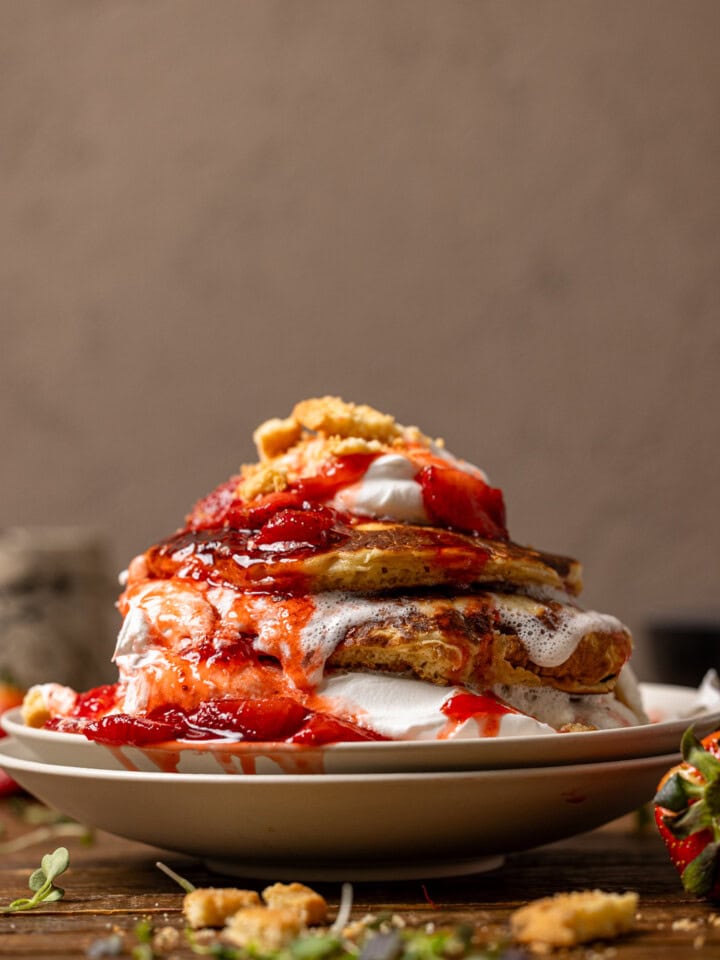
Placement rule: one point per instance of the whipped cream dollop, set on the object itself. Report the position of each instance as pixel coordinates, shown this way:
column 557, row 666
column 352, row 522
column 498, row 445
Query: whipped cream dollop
column 388, row 490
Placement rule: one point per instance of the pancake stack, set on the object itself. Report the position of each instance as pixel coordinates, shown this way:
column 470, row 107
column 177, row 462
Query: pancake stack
column 357, row 582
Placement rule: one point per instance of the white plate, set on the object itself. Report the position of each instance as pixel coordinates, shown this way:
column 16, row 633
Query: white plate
column 352, row 826
column 670, row 706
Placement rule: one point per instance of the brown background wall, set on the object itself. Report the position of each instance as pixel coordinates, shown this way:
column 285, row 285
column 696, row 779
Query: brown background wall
column 498, row 220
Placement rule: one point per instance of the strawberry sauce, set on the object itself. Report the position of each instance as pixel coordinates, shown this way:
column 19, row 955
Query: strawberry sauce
column 484, row 708
column 261, row 720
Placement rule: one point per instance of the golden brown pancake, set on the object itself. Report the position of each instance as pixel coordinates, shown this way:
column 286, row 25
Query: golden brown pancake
column 474, row 641
column 371, row 557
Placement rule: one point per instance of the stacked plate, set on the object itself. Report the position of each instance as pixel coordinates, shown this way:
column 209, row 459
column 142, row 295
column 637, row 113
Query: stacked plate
column 356, row 810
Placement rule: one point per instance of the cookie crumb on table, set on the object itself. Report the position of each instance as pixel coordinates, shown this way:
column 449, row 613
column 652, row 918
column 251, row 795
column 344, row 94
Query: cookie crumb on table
column 568, row 919
column 263, row 928
column 309, row 905
column 211, row 906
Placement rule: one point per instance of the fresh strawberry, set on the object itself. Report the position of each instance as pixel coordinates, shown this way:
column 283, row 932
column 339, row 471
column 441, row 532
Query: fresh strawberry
column 261, row 719
column 687, row 813
column 454, row 498
column 297, row 528
column 10, row 696
column 322, row 728
column 121, row 728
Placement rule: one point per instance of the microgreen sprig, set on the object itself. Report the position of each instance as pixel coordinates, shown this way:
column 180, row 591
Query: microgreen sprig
column 42, row 882
column 180, row 881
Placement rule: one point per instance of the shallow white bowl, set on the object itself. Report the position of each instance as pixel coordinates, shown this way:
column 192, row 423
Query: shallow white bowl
column 344, row 826
column 670, row 706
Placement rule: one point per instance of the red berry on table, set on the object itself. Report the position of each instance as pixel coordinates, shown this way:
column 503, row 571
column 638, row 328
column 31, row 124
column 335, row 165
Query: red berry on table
column 687, row 814
column 10, row 696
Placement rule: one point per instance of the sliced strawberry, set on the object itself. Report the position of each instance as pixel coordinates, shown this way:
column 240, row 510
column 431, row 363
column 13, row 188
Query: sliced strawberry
column 96, row 702
column 687, row 814
column 297, row 528
column 121, row 728
column 266, row 508
column 224, row 508
column 261, row 719
column 334, row 474
column 454, row 498
column 321, row 729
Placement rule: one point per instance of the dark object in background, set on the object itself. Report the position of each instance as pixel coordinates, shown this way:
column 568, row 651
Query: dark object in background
column 682, row 649
column 56, row 599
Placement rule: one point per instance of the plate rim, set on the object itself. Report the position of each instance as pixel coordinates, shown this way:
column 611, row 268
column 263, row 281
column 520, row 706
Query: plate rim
column 328, row 780
column 12, row 725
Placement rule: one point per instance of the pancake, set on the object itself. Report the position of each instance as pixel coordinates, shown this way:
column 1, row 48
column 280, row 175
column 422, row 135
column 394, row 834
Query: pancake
column 358, row 581
column 367, row 557
column 483, row 640
column 479, row 640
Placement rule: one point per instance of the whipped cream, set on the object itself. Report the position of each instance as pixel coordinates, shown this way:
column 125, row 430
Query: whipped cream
column 558, row 709
column 407, row 709
column 552, row 643
column 387, row 491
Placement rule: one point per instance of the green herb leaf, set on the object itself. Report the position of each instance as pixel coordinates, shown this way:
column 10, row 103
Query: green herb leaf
column 37, row 879
column 40, row 882
column 180, row 881
column 56, row 893
column 143, row 951
column 55, row 863
column 144, row 930
column 314, row 947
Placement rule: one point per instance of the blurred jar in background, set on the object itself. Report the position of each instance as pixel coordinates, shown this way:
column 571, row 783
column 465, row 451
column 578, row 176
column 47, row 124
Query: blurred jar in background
column 682, row 648
column 56, row 606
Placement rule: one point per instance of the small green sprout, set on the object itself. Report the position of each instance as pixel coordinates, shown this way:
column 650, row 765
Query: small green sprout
column 41, row 882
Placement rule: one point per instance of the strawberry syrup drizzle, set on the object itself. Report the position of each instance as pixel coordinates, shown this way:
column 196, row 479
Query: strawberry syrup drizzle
column 485, row 709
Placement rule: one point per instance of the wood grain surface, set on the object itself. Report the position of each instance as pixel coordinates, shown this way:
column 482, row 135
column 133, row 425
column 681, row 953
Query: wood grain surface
column 112, row 884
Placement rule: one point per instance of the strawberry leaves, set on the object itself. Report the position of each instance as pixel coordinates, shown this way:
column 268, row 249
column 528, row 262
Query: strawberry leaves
column 687, row 812
column 699, row 877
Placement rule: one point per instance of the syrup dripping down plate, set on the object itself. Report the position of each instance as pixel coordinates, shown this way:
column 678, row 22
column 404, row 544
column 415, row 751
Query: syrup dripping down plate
column 356, row 826
column 671, row 708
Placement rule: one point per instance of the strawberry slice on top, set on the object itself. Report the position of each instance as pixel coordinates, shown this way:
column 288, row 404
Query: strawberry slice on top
column 463, row 501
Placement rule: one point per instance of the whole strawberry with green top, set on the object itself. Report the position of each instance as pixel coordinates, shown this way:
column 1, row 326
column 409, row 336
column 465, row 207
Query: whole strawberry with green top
column 687, row 813
column 10, row 696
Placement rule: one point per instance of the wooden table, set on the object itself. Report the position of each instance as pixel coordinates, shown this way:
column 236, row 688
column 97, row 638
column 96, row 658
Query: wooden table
column 113, row 883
